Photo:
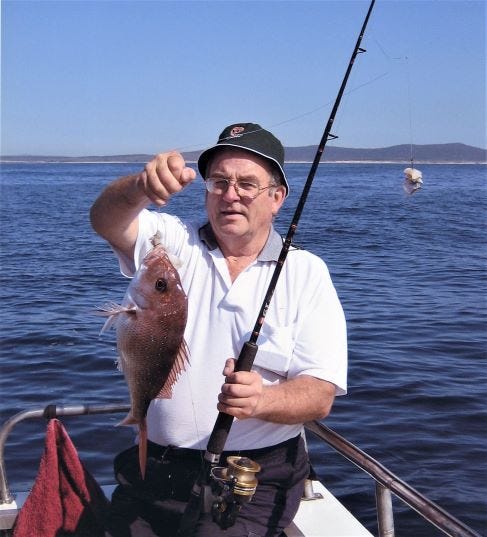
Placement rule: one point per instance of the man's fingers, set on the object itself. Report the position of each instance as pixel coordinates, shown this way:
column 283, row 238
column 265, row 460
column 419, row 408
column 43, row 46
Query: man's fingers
column 179, row 170
column 188, row 175
column 229, row 367
column 238, row 390
column 164, row 175
column 150, row 186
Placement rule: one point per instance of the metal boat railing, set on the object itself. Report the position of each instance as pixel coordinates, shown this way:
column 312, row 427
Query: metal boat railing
column 385, row 481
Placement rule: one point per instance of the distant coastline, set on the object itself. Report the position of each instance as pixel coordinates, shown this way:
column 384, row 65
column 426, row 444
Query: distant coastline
column 142, row 162
column 454, row 153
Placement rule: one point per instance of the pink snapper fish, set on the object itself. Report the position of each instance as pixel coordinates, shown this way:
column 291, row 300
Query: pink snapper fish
column 150, row 325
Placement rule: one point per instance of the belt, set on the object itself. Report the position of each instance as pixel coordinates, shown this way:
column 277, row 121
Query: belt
column 167, row 452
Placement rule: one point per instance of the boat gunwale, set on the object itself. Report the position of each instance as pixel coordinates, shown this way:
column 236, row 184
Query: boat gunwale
column 430, row 511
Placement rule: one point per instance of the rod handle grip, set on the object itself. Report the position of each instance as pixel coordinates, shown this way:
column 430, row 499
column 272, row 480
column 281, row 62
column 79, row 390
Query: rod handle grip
column 223, row 423
column 247, row 356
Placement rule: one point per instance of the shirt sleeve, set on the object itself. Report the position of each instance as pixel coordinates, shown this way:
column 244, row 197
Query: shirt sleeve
column 172, row 233
column 321, row 340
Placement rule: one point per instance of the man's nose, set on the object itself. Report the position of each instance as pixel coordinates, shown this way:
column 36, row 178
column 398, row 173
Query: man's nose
column 231, row 192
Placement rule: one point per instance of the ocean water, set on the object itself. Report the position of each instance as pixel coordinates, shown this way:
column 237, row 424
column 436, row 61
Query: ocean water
column 411, row 275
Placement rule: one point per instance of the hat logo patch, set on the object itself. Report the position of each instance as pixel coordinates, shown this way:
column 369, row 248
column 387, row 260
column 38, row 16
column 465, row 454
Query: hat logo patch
column 236, row 131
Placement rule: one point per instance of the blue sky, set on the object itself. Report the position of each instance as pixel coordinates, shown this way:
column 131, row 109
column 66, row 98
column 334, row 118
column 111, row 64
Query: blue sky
column 115, row 77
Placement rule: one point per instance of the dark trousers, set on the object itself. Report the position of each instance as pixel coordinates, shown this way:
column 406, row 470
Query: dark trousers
column 153, row 507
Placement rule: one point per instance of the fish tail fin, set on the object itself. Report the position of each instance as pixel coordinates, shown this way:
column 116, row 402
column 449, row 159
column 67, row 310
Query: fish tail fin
column 128, row 420
column 143, row 447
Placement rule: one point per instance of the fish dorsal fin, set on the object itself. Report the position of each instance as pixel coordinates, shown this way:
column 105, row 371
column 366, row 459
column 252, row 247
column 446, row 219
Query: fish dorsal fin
column 178, row 367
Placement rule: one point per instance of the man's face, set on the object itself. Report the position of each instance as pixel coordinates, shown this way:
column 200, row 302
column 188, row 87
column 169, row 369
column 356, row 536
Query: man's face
column 234, row 218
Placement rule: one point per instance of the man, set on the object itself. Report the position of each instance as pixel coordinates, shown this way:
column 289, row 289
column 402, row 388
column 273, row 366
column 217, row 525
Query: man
column 227, row 262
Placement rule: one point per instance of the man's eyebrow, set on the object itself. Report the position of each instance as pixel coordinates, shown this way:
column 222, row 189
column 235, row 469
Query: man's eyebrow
column 223, row 175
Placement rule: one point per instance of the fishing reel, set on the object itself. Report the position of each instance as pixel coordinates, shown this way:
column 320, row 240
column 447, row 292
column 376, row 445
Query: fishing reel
column 232, row 486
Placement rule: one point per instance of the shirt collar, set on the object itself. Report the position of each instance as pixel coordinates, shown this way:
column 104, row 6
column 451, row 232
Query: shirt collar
column 270, row 252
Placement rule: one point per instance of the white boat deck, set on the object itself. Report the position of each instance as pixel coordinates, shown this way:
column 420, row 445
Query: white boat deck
column 325, row 517
column 321, row 517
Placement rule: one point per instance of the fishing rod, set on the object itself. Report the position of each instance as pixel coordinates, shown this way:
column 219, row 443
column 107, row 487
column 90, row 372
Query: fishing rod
column 202, row 498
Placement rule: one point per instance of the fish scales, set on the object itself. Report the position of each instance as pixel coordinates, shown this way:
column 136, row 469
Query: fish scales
column 150, row 325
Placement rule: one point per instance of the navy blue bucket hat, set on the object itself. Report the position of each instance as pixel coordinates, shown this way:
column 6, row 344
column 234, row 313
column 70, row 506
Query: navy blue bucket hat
column 251, row 137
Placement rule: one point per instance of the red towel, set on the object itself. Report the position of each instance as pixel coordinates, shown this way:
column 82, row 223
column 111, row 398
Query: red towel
column 65, row 499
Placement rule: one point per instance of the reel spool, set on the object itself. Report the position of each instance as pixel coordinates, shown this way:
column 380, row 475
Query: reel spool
column 235, row 485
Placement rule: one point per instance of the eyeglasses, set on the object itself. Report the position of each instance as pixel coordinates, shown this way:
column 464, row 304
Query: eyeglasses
column 244, row 189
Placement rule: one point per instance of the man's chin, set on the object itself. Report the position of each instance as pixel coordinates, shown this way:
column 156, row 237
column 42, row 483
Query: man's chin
column 230, row 228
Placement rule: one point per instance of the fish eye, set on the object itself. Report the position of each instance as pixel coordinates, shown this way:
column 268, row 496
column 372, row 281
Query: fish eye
column 161, row 284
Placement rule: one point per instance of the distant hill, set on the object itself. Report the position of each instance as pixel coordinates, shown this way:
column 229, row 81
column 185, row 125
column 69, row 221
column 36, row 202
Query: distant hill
column 397, row 153
column 431, row 153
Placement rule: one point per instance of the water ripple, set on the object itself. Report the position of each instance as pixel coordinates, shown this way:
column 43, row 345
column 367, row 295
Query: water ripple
column 411, row 274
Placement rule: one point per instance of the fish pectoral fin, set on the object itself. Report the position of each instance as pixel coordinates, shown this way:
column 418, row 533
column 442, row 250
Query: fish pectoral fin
column 182, row 358
column 108, row 324
column 112, row 310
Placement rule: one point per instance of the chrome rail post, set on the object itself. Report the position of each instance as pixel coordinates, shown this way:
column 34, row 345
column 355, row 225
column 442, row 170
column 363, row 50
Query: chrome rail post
column 385, row 514
column 5, row 496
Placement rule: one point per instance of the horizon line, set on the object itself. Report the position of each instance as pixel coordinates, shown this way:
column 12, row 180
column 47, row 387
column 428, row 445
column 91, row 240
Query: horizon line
column 44, row 155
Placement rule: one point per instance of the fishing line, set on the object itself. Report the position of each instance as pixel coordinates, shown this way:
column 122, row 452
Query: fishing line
column 408, row 89
column 385, row 54
column 201, row 493
column 314, row 110
column 249, row 349
column 199, row 436
column 411, row 157
column 291, row 119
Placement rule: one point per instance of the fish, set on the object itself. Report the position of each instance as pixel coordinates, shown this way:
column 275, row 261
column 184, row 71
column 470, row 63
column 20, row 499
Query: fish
column 413, row 179
column 150, row 326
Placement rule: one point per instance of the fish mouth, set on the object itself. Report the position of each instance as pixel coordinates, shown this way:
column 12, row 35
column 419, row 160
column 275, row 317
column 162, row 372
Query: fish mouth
column 135, row 301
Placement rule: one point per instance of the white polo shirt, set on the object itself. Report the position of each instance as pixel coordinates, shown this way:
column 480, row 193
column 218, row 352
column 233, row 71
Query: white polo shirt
column 303, row 333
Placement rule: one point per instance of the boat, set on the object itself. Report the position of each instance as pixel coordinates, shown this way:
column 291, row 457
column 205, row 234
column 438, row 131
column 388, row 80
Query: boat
column 320, row 513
